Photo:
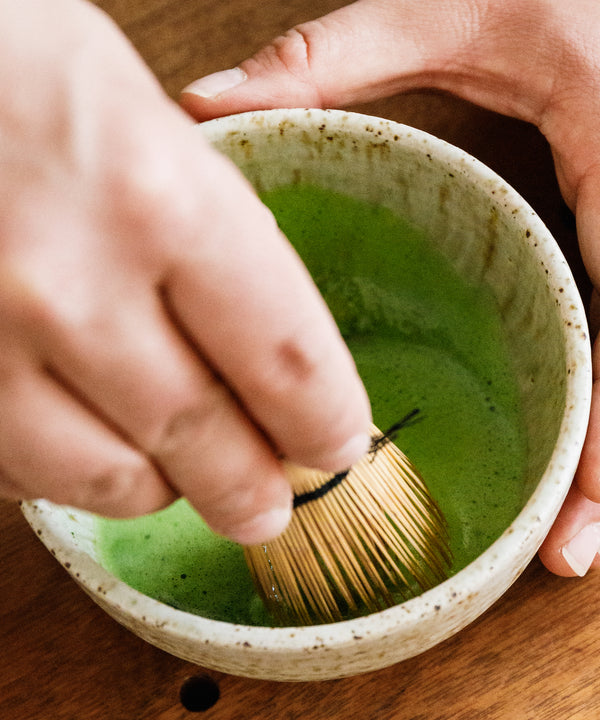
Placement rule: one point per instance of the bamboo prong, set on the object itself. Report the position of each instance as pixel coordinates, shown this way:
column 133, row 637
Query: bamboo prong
column 375, row 538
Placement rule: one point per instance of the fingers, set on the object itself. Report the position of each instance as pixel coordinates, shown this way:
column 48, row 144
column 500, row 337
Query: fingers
column 145, row 382
column 588, row 471
column 51, row 446
column 206, row 351
column 570, row 124
column 376, row 48
column 365, row 50
column 250, row 306
column 536, row 61
column 160, row 336
column 128, row 418
column 573, row 544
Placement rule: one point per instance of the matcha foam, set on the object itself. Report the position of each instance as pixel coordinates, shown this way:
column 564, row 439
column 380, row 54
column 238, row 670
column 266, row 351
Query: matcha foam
column 422, row 337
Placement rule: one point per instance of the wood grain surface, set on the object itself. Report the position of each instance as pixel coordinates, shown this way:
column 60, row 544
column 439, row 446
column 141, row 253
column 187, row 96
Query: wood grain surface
column 533, row 656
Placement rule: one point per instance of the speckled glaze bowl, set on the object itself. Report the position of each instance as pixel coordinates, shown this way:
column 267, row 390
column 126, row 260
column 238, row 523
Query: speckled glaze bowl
column 490, row 234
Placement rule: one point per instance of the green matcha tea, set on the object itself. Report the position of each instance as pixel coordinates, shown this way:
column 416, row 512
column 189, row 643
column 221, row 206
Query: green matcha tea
column 422, row 338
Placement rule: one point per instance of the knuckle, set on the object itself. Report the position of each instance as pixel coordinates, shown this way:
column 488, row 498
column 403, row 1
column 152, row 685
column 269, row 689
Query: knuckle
column 122, row 490
column 293, row 367
column 298, row 359
column 107, row 488
column 148, row 194
column 311, row 391
column 24, row 302
column 34, row 298
column 198, row 425
column 292, row 52
column 213, row 454
column 141, row 185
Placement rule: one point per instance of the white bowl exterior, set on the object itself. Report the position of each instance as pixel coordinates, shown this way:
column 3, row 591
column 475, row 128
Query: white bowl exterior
column 366, row 644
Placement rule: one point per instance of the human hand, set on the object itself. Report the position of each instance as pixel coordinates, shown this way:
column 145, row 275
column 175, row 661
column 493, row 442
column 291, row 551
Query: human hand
column 537, row 60
column 159, row 336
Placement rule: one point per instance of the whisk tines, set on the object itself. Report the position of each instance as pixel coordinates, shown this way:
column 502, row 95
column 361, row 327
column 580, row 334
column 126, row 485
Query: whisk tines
column 359, row 541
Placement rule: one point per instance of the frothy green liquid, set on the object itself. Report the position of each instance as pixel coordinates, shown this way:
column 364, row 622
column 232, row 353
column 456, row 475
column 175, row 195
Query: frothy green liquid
column 422, row 337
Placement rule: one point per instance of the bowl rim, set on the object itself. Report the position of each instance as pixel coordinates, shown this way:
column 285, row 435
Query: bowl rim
column 525, row 531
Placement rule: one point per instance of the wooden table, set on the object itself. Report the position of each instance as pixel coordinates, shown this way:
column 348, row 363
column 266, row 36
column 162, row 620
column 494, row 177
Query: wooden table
column 533, row 656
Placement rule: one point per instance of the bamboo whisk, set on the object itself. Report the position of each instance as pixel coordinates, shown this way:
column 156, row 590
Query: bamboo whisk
column 358, row 541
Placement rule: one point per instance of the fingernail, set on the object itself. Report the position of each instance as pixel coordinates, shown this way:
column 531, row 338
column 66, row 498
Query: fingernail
column 212, row 85
column 263, row 527
column 581, row 549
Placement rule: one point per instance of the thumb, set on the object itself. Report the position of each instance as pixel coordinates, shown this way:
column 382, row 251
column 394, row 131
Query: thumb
column 363, row 51
column 572, row 546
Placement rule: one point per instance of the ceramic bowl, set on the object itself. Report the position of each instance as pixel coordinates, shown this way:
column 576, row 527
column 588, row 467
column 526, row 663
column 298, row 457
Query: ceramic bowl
column 488, row 232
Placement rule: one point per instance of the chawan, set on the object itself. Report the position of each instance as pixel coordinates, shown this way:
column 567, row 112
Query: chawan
column 488, row 232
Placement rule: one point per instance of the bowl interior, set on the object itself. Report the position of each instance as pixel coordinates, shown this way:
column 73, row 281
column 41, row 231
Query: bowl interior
column 489, row 234
column 483, row 228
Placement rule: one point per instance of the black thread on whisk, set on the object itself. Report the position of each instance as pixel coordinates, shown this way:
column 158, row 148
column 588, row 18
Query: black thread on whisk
column 321, row 490
column 376, row 444
column 392, row 432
